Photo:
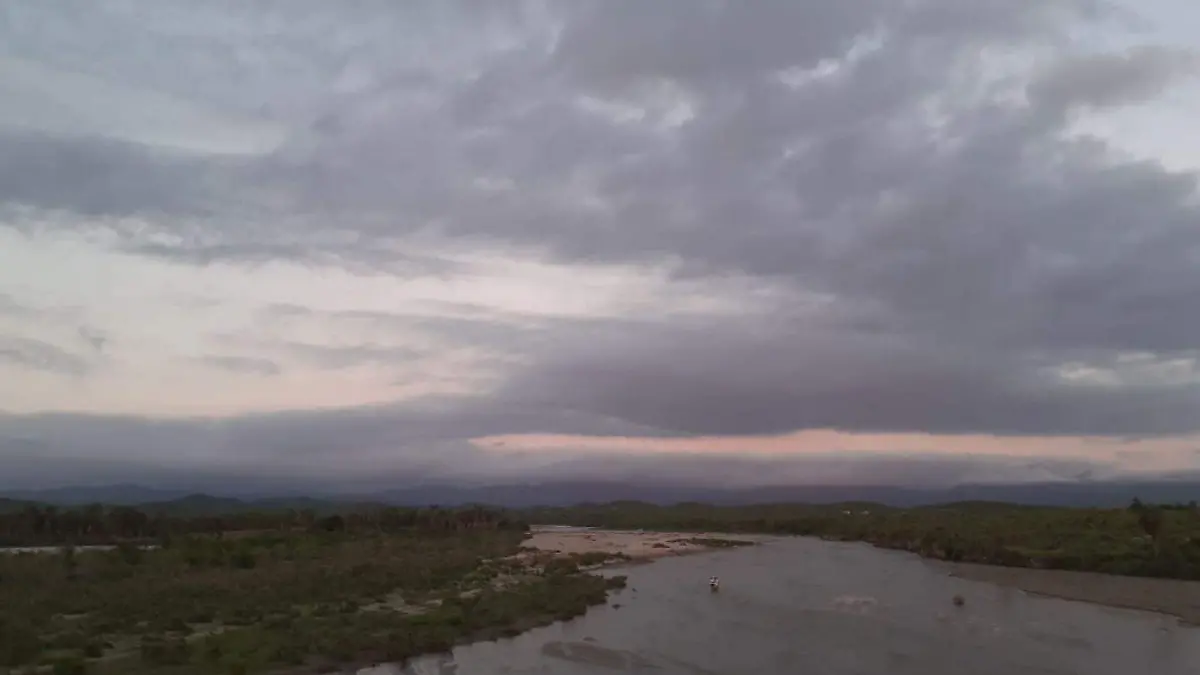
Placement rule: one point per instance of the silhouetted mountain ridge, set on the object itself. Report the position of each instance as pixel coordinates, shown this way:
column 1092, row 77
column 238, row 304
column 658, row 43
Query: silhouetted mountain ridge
column 1092, row 493
column 121, row 494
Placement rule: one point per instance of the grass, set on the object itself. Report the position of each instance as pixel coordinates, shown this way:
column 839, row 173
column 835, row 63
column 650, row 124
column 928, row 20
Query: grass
column 277, row 601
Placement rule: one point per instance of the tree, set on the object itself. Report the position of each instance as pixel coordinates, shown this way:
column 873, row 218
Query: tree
column 69, row 563
column 1151, row 522
column 130, row 554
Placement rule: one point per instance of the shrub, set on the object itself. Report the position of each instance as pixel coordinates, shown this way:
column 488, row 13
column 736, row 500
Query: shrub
column 69, row 666
column 130, row 554
column 243, row 560
column 19, row 643
column 159, row 651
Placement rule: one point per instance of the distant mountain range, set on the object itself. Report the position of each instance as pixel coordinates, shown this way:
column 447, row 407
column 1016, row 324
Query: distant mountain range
column 1099, row 493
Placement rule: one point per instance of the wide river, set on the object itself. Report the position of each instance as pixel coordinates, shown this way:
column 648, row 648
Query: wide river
column 811, row 607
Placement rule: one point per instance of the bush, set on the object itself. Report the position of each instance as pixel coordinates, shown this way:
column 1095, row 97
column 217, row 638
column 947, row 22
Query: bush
column 69, row 640
column 69, row 666
column 159, row 651
column 243, row 560
column 19, row 643
column 130, row 554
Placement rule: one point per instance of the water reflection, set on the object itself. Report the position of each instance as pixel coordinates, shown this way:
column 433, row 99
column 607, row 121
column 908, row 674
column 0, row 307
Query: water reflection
column 798, row 605
column 14, row 550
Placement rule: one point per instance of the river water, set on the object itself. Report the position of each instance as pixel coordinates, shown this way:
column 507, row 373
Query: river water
column 820, row 608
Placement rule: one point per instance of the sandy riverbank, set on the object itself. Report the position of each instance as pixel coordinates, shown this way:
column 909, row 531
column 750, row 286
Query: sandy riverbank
column 1167, row 596
column 636, row 545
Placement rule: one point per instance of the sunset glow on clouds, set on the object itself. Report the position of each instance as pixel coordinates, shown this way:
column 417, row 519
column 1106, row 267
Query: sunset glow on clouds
column 1112, row 456
column 746, row 243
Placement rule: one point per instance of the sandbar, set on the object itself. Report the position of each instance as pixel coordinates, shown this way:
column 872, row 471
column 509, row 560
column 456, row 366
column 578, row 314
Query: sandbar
column 1174, row 597
column 636, row 545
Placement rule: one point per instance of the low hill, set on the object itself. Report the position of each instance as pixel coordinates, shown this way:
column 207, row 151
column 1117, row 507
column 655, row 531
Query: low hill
column 517, row 495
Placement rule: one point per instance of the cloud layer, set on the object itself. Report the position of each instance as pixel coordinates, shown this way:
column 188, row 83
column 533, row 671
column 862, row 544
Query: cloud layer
column 319, row 237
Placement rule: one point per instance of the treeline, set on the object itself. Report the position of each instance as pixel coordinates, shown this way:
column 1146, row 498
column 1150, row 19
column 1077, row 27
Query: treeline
column 1142, row 540
column 36, row 525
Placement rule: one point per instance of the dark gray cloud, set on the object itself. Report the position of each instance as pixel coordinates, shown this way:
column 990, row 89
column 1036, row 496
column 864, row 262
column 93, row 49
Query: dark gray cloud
column 41, row 356
column 390, row 446
column 905, row 166
column 764, row 379
column 100, row 177
column 426, row 440
column 1108, row 79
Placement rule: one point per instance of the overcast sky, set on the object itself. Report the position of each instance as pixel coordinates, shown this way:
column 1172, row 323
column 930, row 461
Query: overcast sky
column 366, row 243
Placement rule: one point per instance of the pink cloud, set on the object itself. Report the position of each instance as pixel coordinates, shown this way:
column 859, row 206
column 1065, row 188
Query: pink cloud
column 1134, row 455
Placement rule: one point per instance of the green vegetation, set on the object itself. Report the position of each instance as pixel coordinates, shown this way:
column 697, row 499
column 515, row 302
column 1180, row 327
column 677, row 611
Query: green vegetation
column 285, row 592
column 189, row 591
column 1154, row 541
column 30, row 524
column 717, row 542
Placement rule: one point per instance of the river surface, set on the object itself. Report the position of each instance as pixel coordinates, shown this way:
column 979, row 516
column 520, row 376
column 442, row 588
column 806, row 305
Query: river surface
column 820, row 608
column 14, row 550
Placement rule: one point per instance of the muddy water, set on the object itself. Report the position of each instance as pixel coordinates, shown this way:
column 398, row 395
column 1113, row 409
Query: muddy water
column 807, row 606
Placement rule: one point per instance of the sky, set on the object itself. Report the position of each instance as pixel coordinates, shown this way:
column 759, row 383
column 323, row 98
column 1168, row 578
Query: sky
column 371, row 244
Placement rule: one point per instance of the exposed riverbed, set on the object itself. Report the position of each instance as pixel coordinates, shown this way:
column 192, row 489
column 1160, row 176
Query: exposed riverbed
column 809, row 606
column 1168, row 596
